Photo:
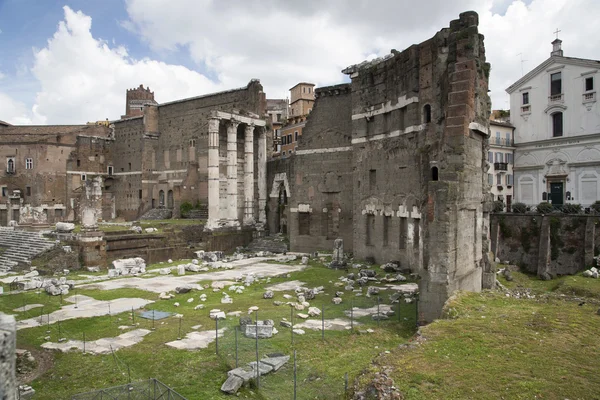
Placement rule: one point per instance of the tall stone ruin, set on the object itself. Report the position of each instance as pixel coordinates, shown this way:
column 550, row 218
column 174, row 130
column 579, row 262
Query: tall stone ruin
column 395, row 164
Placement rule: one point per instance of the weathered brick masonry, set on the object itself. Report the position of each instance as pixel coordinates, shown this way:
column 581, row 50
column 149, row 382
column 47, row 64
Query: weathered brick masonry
column 394, row 164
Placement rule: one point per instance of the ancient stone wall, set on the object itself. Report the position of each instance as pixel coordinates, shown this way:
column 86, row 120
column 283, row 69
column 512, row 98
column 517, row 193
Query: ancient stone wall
column 8, row 369
column 320, row 197
column 547, row 245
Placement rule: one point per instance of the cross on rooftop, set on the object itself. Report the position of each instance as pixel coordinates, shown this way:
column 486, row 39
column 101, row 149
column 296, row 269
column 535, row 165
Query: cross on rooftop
column 557, row 32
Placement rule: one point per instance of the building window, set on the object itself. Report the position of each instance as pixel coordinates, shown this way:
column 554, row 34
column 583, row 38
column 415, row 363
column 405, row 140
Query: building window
column 589, row 84
column 557, row 124
column 403, row 233
column 427, row 113
column 555, row 84
column 110, row 170
column 309, row 90
column 28, row 190
column 498, row 179
column 83, row 177
column 289, row 138
column 372, row 179
column 499, row 158
column 434, row 173
column 525, row 98
column 490, row 179
column 509, row 158
column 10, row 165
column 296, row 136
column 58, row 212
column 129, row 166
column 304, row 223
column 386, row 230
column 192, row 142
column 509, row 180
column 278, row 117
column 29, row 163
column 4, row 191
column 283, row 154
column 370, row 230
column 490, row 157
column 78, row 163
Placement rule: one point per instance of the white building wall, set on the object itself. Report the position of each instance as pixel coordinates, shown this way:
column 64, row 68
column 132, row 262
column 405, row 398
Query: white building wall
column 572, row 160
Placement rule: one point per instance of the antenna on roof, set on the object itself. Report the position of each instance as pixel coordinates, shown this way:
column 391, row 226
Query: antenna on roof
column 522, row 61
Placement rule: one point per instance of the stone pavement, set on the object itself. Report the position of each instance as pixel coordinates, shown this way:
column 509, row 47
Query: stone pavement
column 85, row 307
column 28, row 307
column 363, row 312
column 100, row 346
column 336, row 324
column 196, row 340
column 286, row 286
column 167, row 283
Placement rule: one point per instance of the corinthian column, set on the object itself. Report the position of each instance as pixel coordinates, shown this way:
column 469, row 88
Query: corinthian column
column 262, row 176
column 213, row 173
column 232, row 174
column 249, row 175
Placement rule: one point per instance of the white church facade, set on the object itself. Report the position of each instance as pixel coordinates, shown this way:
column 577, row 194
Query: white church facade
column 556, row 115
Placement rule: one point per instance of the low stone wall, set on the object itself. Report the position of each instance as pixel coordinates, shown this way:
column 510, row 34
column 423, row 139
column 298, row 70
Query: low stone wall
column 8, row 340
column 547, row 245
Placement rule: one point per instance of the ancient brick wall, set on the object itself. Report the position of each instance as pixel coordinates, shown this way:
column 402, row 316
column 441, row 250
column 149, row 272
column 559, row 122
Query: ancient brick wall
column 555, row 244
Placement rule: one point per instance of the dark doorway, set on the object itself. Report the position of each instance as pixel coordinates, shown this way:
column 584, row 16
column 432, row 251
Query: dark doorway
column 556, row 193
column 281, row 210
column 161, row 199
column 508, row 202
column 170, row 199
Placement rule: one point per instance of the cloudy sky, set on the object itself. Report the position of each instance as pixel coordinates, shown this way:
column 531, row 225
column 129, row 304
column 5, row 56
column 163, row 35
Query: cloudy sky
column 70, row 61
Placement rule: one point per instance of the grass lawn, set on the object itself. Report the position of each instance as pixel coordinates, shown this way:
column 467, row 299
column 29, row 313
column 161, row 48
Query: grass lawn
column 322, row 364
column 498, row 347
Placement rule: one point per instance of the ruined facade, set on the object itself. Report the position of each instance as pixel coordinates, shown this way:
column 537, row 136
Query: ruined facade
column 394, row 163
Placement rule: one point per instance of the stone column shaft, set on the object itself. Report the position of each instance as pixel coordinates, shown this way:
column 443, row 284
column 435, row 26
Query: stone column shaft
column 213, row 173
column 249, row 175
column 232, row 172
column 262, row 176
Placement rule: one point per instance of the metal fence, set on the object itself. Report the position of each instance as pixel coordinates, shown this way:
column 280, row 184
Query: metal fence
column 151, row 389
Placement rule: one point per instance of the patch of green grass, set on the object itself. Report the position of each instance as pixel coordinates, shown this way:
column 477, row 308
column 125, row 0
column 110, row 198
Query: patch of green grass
column 199, row 374
column 500, row 347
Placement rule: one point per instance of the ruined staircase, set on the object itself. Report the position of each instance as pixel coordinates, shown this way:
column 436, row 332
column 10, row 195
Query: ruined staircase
column 157, row 213
column 273, row 243
column 20, row 247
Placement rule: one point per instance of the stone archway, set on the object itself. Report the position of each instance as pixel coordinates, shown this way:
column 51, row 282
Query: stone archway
column 170, row 199
column 161, row 198
column 282, row 201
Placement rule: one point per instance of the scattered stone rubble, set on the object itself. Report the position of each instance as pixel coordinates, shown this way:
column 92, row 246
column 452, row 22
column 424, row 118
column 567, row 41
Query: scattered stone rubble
column 591, row 273
column 127, row 266
column 238, row 377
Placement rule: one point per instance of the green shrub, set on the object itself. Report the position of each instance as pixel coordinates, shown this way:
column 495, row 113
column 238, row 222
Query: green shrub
column 545, row 208
column 596, row 206
column 185, row 207
column 498, row 206
column 571, row 208
column 519, row 208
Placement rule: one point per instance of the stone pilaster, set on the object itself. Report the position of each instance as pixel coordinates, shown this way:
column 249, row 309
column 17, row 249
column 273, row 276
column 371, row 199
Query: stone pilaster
column 213, row 174
column 262, row 176
column 249, row 175
column 232, row 172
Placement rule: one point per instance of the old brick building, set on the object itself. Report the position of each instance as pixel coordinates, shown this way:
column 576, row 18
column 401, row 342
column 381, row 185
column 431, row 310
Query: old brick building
column 394, row 163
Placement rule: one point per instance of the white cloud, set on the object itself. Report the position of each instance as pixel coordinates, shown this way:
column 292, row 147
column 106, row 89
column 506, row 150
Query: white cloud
column 84, row 79
column 285, row 42
column 13, row 111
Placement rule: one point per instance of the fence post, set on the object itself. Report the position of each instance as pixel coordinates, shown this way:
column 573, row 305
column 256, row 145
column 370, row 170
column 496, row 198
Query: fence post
column 256, row 336
column 292, row 321
column 345, row 383
column 399, row 309
column 132, row 317
column 378, row 312
column 323, row 322
column 48, row 325
column 84, row 342
column 179, row 334
column 417, row 311
column 294, row 374
column 236, row 346
column 351, row 314
column 217, row 334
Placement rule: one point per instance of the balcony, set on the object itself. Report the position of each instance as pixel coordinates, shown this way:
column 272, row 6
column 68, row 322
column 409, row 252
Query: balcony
column 501, row 166
column 501, row 142
column 556, row 98
column 589, row 97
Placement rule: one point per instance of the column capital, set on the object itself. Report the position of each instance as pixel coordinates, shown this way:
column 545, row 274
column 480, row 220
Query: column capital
column 232, row 123
column 213, row 124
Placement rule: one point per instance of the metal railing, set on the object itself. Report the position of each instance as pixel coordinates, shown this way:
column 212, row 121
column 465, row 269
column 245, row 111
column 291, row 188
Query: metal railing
column 151, row 389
